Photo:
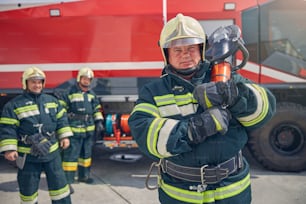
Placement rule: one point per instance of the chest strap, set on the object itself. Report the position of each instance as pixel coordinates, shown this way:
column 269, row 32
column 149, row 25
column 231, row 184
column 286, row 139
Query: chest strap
column 205, row 174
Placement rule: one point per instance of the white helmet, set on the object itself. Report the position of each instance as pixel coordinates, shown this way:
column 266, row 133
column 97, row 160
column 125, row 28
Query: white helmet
column 85, row 71
column 32, row 73
column 179, row 31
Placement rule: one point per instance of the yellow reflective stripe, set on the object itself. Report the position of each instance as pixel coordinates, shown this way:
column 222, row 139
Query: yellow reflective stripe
column 76, row 97
column 208, row 196
column 83, row 129
column 70, row 166
column 164, row 100
column 98, row 116
column 9, row 121
column 152, row 136
column 78, row 129
column 262, row 106
column 170, row 105
column 60, row 193
column 98, row 107
column 54, row 147
column 63, row 103
column 90, row 128
column 8, row 144
column 60, row 113
column 174, row 109
column 84, row 162
column 174, row 99
column 51, row 105
column 184, row 99
column 181, row 194
column 164, row 134
column 232, row 189
column 207, row 101
column 147, row 108
column 27, row 150
column 90, row 97
column 32, row 199
column 217, row 123
column 64, row 132
column 27, row 111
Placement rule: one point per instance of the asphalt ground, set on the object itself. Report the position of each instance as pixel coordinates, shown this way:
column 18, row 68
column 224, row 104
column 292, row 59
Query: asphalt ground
column 119, row 179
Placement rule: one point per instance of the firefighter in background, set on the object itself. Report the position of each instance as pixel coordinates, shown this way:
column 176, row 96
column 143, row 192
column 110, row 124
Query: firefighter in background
column 85, row 118
column 196, row 128
column 33, row 128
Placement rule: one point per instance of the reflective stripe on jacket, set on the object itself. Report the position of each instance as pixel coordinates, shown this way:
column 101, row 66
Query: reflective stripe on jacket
column 25, row 113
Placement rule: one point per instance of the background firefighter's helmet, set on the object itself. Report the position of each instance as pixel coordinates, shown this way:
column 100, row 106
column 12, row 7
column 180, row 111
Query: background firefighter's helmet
column 180, row 31
column 85, row 71
column 32, row 73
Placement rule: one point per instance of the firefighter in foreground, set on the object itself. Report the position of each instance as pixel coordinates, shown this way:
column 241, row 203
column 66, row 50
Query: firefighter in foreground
column 196, row 128
column 33, row 128
column 86, row 122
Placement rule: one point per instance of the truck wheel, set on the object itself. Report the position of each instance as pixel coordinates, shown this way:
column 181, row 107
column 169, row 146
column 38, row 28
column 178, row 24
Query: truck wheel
column 281, row 144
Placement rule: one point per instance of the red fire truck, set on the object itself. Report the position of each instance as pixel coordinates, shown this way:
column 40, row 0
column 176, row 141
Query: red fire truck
column 118, row 40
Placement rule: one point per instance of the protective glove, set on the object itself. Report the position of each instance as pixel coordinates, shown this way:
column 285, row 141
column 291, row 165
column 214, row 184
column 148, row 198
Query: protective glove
column 212, row 121
column 40, row 144
column 216, row 94
column 41, row 149
column 99, row 128
column 34, row 139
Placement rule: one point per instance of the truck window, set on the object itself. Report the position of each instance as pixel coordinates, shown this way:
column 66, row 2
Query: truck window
column 281, row 33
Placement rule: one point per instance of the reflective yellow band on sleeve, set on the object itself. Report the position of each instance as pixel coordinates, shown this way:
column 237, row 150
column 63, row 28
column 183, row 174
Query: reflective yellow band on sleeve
column 27, row 150
column 262, row 107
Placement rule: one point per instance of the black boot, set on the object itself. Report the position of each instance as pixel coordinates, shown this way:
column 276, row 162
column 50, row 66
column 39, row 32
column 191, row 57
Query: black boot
column 86, row 180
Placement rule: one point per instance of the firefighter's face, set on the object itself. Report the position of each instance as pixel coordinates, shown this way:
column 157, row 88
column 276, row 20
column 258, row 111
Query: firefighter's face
column 85, row 81
column 35, row 85
column 183, row 57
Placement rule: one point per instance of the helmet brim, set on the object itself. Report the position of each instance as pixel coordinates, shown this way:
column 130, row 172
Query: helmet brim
column 183, row 42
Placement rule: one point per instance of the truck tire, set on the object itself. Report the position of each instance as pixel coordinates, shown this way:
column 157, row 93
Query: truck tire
column 281, row 144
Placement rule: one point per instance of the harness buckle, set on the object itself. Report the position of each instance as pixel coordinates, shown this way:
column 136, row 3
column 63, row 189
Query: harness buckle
column 202, row 173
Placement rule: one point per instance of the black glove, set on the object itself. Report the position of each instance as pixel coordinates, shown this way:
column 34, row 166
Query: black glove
column 40, row 144
column 34, row 139
column 212, row 121
column 216, row 94
column 41, row 149
column 99, row 128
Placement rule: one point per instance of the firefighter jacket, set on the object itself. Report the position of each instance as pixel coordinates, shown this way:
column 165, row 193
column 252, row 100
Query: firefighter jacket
column 159, row 121
column 28, row 114
column 83, row 110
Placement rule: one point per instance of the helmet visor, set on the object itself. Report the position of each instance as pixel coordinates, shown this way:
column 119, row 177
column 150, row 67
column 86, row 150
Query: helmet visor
column 183, row 42
column 36, row 78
